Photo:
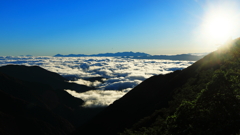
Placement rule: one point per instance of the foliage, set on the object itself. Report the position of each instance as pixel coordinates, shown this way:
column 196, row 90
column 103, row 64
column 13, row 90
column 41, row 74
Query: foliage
column 209, row 103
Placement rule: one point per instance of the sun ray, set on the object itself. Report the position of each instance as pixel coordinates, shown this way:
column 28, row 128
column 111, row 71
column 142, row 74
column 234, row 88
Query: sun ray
column 220, row 22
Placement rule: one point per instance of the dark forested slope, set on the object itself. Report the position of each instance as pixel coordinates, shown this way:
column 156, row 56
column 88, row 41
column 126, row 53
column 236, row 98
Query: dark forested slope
column 40, row 75
column 189, row 101
column 32, row 105
column 29, row 108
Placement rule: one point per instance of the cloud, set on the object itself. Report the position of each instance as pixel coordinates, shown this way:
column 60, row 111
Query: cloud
column 120, row 85
column 98, row 98
column 84, row 66
column 121, row 74
column 87, row 83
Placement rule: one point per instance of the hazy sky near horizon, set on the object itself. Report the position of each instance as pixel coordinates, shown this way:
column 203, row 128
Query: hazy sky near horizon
column 48, row 27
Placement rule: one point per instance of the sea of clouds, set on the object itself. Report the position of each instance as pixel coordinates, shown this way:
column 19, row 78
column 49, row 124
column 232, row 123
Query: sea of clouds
column 119, row 75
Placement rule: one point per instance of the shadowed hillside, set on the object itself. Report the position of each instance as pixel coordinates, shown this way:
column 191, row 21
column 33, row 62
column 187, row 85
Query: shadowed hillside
column 201, row 99
column 197, row 100
column 35, row 107
column 30, row 109
column 40, row 75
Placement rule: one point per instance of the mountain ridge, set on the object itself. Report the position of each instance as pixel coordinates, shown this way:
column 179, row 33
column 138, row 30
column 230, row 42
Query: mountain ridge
column 141, row 55
column 30, row 99
column 105, row 54
column 40, row 75
column 167, row 93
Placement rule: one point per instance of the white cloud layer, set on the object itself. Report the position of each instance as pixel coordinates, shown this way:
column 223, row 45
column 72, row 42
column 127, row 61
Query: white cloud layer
column 122, row 74
column 98, row 98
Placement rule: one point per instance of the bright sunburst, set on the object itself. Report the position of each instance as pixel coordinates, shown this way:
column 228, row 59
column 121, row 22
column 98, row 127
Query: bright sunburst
column 220, row 22
column 219, row 27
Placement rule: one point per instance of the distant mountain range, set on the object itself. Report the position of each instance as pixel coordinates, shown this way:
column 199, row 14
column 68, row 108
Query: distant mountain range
column 105, row 54
column 172, row 57
column 141, row 55
column 200, row 99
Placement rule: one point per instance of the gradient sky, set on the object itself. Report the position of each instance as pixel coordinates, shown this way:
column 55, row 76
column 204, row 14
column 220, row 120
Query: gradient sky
column 48, row 27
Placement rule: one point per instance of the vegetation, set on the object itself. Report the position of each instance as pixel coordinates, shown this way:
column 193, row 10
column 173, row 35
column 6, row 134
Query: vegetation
column 208, row 103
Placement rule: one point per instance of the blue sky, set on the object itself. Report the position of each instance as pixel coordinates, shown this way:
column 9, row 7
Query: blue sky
column 48, row 27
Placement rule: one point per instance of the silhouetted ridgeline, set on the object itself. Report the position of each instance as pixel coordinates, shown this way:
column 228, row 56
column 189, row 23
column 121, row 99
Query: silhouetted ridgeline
column 33, row 101
column 139, row 55
column 40, row 75
column 189, row 57
column 201, row 99
column 105, row 54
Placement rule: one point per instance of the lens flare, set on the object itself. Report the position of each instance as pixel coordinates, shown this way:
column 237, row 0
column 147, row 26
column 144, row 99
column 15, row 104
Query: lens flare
column 220, row 22
column 219, row 27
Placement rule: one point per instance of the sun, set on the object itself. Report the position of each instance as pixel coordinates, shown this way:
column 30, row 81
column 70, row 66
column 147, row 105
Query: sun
column 219, row 27
column 220, row 22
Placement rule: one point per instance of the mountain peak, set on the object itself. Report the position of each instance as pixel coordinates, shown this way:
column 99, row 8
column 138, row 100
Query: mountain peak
column 207, row 92
column 106, row 54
